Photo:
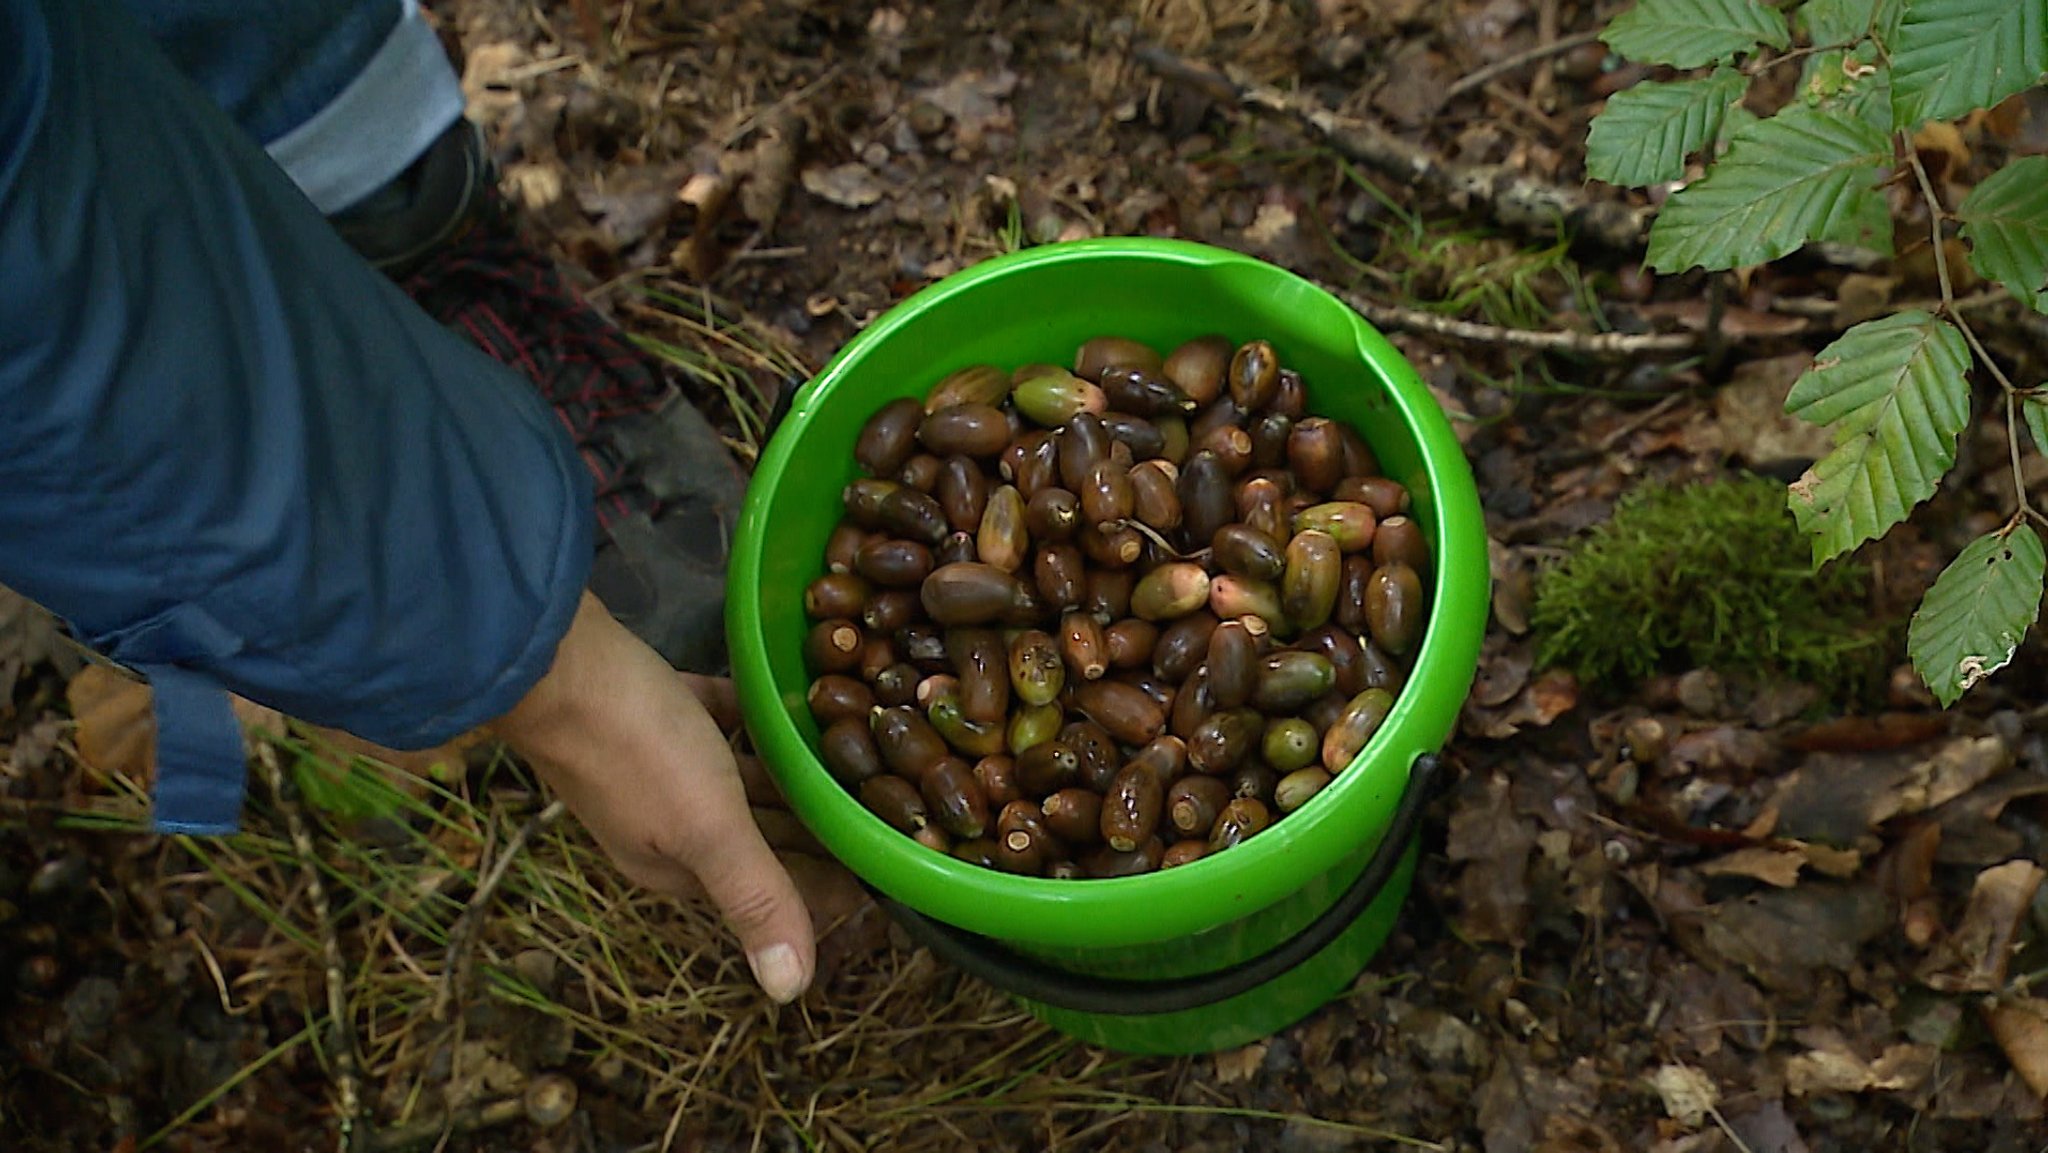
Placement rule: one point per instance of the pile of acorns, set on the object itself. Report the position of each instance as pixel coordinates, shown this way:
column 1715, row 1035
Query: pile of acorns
column 1100, row 622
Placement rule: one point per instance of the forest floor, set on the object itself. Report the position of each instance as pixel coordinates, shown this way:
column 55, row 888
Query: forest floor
column 1691, row 912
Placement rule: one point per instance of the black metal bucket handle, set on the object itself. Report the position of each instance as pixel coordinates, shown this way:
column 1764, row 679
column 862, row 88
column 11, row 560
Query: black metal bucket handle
column 1003, row 967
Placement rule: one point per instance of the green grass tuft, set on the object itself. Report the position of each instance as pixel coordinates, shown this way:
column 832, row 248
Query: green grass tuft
column 1713, row 575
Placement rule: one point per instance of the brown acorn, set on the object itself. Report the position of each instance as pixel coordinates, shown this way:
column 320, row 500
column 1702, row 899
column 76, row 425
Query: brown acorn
column 1052, row 515
column 1287, row 680
column 895, row 800
column 1399, row 540
column 974, row 384
column 1104, row 862
column 1102, row 352
column 835, row 697
column 1315, row 451
column 1075, row 816
column 962, row 492
column 953, row 799
column 1198, row 366
column 1393, row 608
column 1130, row 809
column 1308, row 587
column 1037, row 673
column 833, row 646
column 969, row 594
column 1170, row 591
column 1097, row 750
column 1134, row 390
column 888, row 438
column 1355, row 727
column 997, row 777
column 1123, row 710
column 1047, row 768
column 1183, row 645
column 1240, row 820
column 965, row 430
column 1349, row 522
column 907, row 741
column 1206, row 503
column 1193, row 803
column 1233, row 661
column 1001, row 539
column 1081, row 644
column 848, row 750
column 913, row 514
column 1253, row 375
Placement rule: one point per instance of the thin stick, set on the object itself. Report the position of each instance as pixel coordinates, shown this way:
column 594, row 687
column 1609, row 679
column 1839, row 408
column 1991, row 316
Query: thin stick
column 1478, row 77
column 465, row 928
column 474, row 1120
column 1601, row 345
column 341, row 1040
column 1935, row 215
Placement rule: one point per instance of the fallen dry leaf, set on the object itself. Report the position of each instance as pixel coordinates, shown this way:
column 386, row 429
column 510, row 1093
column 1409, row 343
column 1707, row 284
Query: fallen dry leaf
column 1772, row 866
column 1782, row 936
column 116, row 732
column 1688, row 1094
column 849, row 185
column 1493, row 843
column 1833, row 1067
column 1975, row 957
column 1748, row 421
column 1549, row 696
column 2020, row 1026
column 1235, row 1065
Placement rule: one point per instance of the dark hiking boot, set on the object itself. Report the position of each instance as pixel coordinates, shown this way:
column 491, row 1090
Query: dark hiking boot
column 668, row 490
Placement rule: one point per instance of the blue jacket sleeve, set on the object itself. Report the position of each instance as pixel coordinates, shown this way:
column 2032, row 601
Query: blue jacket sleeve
column 232, row 454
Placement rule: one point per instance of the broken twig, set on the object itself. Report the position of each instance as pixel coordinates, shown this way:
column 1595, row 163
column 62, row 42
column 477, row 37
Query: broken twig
column 465, row 928
column 341, row 1040
column 1598, row 345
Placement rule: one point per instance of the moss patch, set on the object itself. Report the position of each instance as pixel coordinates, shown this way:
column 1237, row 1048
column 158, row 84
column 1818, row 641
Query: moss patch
column 1710, row 575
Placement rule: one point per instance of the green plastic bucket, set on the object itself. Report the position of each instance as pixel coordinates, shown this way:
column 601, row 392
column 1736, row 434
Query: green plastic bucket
column 1232, row 947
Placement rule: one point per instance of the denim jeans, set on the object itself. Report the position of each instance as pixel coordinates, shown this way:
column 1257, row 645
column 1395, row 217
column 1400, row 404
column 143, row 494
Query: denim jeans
column 344, row 94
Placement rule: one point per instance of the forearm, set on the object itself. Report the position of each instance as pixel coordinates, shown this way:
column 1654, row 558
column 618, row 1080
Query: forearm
column 231, row 447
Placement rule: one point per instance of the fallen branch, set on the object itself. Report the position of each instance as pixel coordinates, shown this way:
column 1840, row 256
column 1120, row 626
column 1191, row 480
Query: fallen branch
column 341, row 1040
column 1597, row 345
column 1510, row 198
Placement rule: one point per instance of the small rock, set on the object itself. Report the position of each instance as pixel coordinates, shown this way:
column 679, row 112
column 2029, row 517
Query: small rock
column 1702, row 693
column 89, row 1009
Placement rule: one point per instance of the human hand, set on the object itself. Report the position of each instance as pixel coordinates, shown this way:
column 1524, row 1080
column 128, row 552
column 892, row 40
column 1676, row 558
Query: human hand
column 630, row 747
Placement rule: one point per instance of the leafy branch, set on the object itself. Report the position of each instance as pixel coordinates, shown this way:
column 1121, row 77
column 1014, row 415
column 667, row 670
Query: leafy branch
column 1894, row 391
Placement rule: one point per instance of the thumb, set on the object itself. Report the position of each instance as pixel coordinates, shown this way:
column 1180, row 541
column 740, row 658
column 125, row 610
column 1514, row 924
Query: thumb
column 736, row 869
column 761, row 905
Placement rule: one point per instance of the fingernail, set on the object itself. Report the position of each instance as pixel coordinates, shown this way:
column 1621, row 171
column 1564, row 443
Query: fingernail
column 781, row 975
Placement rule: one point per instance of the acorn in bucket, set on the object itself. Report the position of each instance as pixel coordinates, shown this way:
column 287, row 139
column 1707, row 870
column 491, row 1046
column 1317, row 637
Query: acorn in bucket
column 1100, row 621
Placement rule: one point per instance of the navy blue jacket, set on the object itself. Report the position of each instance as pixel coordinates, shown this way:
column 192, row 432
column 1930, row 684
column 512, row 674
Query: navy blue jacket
column 234, row 456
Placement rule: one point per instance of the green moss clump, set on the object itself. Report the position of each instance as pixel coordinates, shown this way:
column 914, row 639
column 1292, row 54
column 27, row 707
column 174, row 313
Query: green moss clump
column 1713, row 575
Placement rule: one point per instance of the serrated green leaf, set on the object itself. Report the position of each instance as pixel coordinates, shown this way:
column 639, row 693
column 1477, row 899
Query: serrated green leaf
column 1955, row 56
column 2005, row 219
column 1645, row 133
column 1691, row 33
column 1840, row 21
column 2035, row 410
column 1977, row 613
column 1805, row 174
column 1892, row 392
